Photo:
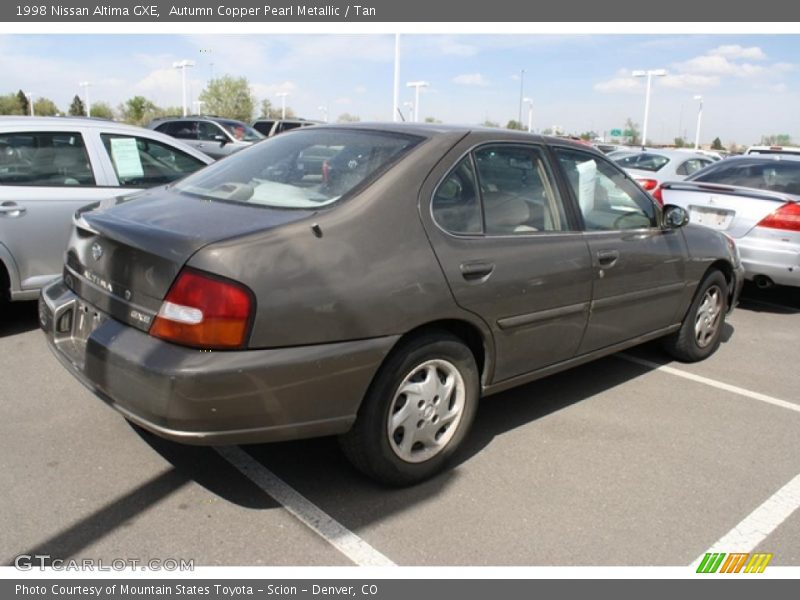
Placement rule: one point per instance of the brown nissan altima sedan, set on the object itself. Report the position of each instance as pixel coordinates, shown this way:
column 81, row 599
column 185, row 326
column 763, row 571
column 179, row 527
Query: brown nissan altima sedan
column 373, row 281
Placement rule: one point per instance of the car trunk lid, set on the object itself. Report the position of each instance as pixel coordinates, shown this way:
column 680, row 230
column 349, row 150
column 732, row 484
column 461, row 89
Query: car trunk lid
column 124, row 259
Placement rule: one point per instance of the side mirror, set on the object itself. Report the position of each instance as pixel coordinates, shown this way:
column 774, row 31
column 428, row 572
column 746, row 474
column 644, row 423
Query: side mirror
column 221, row 139
column 675, row 216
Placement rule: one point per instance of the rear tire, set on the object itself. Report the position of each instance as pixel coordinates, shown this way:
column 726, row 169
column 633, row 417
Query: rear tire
column 701, row 331
column 416, row 412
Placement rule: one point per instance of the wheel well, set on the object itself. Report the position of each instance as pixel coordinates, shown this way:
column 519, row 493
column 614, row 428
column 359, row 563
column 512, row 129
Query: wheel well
column 724, row 267
column 465, row 331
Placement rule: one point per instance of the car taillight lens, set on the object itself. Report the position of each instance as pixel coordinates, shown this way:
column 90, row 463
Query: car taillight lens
column 205, row 312
column 786, row 217
column 648, row 184
column 658, row 195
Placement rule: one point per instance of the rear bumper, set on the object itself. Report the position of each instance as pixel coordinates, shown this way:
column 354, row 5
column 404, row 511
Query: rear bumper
column 199, row 397
column 778, row 259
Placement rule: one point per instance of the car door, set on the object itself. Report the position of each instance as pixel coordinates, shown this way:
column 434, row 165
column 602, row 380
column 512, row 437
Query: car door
column 210, row 136
column 638, row 270
column 511, row 254
column 45, row 176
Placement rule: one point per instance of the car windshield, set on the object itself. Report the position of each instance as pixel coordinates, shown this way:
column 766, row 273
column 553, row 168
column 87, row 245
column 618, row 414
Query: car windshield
column 308, row 168
column 771, row 175
column 241, row 132
column 643, row 161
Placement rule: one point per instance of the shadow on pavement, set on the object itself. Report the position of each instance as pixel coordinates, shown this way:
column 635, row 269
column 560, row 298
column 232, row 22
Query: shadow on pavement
column 18, row 317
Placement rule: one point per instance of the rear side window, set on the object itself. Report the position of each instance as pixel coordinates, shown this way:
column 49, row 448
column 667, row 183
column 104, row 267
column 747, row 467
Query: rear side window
column 142, row 162
column 44, row 159
column 692, row 166
column 608, row 200
column 287, row 125
column 308, row 169
column 263, row 127
column 456, row 204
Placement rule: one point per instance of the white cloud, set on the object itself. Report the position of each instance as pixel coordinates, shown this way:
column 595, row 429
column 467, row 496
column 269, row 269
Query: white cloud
column 471, row 79
column 268, row 91
column 622, row 83
column 737, row 51
column 360, row 89
column 344, row 100
column 689, row 81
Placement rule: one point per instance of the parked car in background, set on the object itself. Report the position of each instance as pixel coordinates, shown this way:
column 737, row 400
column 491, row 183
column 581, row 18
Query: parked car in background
column 651, row 167
column 214, row 136
column 755, row 199
column 49, row 167
column 773, row 150
column 377, row 299
column 270, row 127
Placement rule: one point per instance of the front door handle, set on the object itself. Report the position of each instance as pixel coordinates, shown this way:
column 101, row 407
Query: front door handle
column 474, row 271
column 607, row 258
column 11, row 209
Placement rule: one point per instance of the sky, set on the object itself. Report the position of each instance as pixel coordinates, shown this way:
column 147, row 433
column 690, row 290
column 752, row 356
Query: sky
column 750, row 84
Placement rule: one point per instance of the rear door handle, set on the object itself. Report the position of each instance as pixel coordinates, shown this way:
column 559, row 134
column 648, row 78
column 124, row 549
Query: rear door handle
column 12, row 209
column 474, row 271
column 607, row 258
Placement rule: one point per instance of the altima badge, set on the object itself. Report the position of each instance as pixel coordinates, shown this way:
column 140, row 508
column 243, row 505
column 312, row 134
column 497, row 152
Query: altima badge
column 97, row 251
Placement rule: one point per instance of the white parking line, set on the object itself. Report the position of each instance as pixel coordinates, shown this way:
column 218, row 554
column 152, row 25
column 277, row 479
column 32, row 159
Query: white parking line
column 760, row 523
column 328, row 528
column 711, row 382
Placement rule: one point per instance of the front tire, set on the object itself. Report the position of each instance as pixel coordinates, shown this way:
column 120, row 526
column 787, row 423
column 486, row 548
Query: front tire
column 701, row 331
column 416, row 412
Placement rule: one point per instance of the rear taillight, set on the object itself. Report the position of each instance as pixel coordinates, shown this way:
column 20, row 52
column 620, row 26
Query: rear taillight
column 659, row 197
column 648, row 184
column 205, row 312
column 786, row 217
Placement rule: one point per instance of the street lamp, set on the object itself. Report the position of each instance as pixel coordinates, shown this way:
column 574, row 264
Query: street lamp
column 324, row 111
column 699, row 116
column 282, row 96
column 416, row 85
column 530, row 114
column 29, row 96
column 86, row 84
column 649, row 74
column 183, row 65
column 521, row 85
column 198, row 105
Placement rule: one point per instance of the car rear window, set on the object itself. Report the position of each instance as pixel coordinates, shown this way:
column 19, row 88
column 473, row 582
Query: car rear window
column 643, row 162
column 307, row 169
column 771, row 175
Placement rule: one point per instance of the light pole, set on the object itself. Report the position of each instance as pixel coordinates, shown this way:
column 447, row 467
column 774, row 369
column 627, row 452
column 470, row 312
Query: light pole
column 29, row 96
column 183, row 65
column 416, row 85
column 198, row 104
column 282, row 96
column 699, row 117
column 649, row 74
column 396, row 89
column 324, row 110
column 521, row 85
column 530, row 114
column 87, row 85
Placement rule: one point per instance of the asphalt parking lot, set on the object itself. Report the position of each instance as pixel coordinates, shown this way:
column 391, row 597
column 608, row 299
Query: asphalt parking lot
column 631, row 460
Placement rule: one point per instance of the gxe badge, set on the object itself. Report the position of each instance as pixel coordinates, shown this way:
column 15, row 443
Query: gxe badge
column 97, row 251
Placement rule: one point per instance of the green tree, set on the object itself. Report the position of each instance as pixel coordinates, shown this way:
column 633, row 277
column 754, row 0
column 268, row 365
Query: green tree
column 680, row 142
column 76, row 109
column 268, row 111
column 780, row 139
column 230, row 97
column 23, row 102
column 45, row 107
column 9, row 105
column 138, row 110
column 432, row 120
column 717, row 144
column 514, row 124
column 588, row 136
column 102, row 110
column 348, row 118
column 489, row 123
column 632, row 132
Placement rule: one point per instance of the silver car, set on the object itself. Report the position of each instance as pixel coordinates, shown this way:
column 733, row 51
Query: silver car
column 652, row 167
column 755, row 200
column 214, row 136
column 50, row 167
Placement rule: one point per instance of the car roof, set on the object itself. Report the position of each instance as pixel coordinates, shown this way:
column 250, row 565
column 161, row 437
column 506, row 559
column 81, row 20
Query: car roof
column 760, row 158
column 65, row 122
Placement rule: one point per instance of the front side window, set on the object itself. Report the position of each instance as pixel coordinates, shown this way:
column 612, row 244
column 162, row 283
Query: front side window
column 240, row 131
column 308, row 169
column 44, row 159
column 517, row 194
column 141, row 162
column 607, row 199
